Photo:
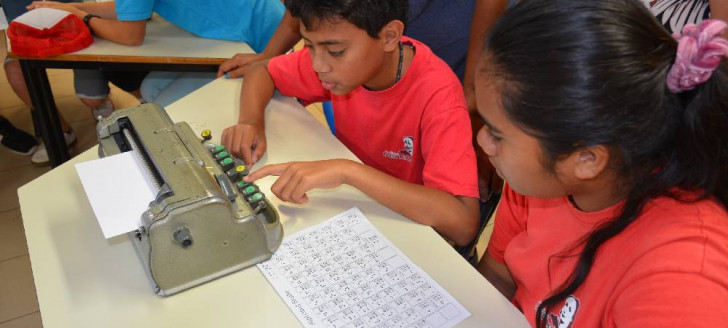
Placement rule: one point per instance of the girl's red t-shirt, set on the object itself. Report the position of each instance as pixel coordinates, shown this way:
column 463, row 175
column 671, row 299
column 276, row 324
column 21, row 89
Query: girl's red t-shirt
column 669, row 268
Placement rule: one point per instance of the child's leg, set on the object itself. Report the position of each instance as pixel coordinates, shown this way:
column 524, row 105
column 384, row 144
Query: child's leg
column 93, row 89
column 17, row 83
column 164, row 88
column 129, row 81
column 16, row 80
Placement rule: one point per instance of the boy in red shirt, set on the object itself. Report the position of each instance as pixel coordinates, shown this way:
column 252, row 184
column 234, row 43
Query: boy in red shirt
column 611, row 136
column 398, row 108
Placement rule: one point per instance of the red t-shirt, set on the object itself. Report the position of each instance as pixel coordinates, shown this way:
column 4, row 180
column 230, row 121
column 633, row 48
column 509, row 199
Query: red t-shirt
column 669, row 268
column 417, row 130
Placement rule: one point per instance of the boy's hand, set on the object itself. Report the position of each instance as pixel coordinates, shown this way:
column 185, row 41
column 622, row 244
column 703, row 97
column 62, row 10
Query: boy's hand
column 296, row 178
column 246, row 141
column 235, row 66
column 57, row 5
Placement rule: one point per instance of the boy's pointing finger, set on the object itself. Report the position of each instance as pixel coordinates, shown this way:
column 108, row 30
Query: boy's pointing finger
column 272, row 169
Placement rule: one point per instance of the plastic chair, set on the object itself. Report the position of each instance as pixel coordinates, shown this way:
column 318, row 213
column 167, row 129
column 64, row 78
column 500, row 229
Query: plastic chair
column 329, row 114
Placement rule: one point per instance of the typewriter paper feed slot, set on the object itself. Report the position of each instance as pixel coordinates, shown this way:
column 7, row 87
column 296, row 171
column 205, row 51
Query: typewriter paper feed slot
column 127, row 140
column 149, row 174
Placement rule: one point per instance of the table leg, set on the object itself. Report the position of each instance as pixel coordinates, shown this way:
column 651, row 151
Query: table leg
column 45, row 110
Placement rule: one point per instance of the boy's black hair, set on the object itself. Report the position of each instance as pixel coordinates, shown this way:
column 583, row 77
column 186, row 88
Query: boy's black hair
column 581, row 73
column 368, row 15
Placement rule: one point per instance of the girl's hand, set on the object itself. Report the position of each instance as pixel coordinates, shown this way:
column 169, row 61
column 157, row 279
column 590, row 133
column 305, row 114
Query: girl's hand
column 296, row 178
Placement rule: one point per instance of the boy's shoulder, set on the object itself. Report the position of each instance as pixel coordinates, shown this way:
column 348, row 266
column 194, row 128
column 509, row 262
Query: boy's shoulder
column 427, row 68
column 429, row 76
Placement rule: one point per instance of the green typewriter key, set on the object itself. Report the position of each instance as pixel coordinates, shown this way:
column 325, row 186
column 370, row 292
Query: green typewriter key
column 257, row 197
column 227, row 163
column 219, row 156
column 249, row 190
column 217, row 149
column 242, row 185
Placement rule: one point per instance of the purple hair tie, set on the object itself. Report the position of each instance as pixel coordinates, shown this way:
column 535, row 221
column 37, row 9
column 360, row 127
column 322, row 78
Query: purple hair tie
column 699, row 52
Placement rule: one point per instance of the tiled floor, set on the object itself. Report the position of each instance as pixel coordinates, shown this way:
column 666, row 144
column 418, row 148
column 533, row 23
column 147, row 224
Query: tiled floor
column 18, row 302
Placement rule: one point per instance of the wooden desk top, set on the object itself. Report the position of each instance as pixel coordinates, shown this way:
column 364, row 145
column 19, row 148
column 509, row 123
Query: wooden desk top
column 164, row 43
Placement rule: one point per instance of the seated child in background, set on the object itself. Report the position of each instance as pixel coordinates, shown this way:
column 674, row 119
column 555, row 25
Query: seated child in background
column 124, row 22
column 611, row 136
column 398, row 108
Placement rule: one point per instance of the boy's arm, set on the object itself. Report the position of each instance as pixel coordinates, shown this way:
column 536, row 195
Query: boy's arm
column 106, row 10
column 454, row 217
column 130, row 33
column 284, row 38
column 246, row 139
column 106, row 27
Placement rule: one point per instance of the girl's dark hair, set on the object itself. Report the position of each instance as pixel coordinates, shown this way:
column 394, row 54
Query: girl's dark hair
column 580, row 73
column 368, row 15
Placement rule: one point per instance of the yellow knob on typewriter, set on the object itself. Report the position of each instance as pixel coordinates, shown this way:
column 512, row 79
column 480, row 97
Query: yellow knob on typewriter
column 237, row 172
column 206, row 135
column 241, row 169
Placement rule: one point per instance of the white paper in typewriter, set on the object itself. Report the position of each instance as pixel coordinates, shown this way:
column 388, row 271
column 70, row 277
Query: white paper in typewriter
column 345, row 273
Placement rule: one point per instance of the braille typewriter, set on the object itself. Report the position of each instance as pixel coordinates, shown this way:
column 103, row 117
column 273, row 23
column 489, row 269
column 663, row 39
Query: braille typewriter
column 205, row 221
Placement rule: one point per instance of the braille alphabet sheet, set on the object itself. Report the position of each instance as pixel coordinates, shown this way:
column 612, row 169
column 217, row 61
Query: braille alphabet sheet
column 345, row 273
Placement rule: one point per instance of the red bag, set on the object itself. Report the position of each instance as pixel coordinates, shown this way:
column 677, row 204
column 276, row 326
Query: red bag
column 46, row 32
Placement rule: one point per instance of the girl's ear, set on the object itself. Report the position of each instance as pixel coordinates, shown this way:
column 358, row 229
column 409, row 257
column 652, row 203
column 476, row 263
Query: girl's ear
column 391, row 34
column 590, row 162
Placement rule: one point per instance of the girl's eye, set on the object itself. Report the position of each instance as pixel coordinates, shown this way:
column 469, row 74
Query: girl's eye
column 336, row 53
column 493, row 136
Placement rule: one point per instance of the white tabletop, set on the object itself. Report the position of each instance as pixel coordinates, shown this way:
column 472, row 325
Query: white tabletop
column 84, row 280
column 163, row 39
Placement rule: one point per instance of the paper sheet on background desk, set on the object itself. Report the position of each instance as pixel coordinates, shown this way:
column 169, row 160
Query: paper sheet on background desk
column 345, row 273
column 118, row 190
column 3, row 20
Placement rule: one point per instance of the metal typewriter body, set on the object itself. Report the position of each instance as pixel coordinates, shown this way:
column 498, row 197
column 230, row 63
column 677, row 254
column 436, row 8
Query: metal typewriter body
column 205, row 221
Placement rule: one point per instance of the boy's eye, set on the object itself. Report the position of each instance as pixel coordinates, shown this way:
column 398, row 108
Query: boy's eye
column 336, row 53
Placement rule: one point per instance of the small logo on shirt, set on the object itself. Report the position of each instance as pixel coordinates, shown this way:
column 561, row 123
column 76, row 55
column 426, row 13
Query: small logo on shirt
column 565, row 319
column 405, row 153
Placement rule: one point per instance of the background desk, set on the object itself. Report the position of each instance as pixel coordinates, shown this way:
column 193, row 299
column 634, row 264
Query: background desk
column 166, row 47
column 83, row 280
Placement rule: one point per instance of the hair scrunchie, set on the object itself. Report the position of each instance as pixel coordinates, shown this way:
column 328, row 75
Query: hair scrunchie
column 699, row 52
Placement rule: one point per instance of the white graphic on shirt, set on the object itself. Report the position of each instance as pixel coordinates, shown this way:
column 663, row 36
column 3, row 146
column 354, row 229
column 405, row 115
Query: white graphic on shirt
column 566, row 317
column 405, row 153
